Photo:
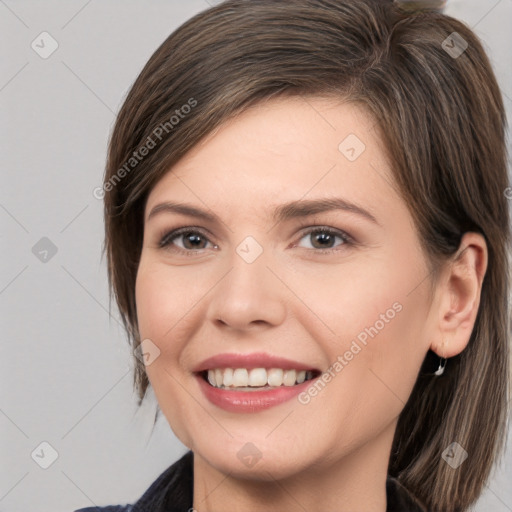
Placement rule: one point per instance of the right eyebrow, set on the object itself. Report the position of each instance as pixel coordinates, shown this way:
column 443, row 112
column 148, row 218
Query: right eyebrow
column 184, row 209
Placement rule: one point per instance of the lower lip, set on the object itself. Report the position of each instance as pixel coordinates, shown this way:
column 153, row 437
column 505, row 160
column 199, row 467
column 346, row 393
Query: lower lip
column 250, row 401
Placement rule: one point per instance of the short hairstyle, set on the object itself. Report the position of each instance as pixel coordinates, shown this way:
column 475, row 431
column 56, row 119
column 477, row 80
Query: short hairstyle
column 426, row 80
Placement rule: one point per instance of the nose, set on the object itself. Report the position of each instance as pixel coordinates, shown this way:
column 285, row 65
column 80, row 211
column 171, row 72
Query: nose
column 248, row 296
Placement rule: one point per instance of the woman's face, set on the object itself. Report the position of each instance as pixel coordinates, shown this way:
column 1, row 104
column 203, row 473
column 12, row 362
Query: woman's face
column 255, row 288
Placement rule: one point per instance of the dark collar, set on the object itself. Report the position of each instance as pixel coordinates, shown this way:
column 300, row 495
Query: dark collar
column 172, row 491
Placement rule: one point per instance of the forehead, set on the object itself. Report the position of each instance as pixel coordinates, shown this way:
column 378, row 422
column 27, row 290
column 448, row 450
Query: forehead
column 282, row 150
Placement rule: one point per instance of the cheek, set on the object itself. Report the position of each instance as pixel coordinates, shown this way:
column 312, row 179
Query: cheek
column 398, row 360
column 390, row 325
column 160, row 304
column 376, row 315
column 154, row 302
column 163, row 301
column 164, row 298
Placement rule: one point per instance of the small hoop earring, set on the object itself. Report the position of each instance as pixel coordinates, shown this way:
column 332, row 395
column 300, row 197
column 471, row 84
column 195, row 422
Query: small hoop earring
column 442, row 366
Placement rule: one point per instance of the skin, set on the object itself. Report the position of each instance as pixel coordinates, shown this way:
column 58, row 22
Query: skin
column 295, row 301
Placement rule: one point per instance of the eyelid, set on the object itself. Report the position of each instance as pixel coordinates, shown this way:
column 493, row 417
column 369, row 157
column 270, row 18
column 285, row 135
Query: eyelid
column 311, row 228
column 168, row 235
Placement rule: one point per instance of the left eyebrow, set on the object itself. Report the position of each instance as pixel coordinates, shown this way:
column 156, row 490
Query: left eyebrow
column 287, row 211
column 304, row 208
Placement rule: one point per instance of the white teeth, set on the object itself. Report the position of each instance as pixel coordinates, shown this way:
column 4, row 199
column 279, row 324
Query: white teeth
column 256, row 377
column 240, row 377
column 228, row 377
column 301, row 376
column 275, row 377
column 289, row 377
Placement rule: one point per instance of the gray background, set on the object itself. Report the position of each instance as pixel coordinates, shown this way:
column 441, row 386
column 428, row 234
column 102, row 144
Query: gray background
column 65, row 369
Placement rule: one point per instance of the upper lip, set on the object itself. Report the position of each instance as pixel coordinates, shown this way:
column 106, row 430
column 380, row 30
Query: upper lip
column 249, row 361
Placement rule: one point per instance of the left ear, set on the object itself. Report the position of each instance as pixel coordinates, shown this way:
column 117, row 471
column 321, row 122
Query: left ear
column 460, row 296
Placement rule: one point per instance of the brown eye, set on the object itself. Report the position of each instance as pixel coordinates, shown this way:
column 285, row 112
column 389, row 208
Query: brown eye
column 322, row 240
column 325, row 238
column 185, row 239
column 192, row 240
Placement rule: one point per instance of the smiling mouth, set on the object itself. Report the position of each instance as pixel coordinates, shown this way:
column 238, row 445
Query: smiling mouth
column 256, row 379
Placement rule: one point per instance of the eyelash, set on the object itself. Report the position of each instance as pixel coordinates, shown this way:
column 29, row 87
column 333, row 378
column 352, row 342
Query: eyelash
column 166, row 240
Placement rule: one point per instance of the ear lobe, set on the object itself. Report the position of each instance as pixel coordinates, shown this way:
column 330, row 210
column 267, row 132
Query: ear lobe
column 461, row 295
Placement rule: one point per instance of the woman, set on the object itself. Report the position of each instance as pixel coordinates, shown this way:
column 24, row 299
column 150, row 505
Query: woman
column 307, row 232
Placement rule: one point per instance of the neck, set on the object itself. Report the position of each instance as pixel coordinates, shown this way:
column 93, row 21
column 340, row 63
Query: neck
column 355, row 482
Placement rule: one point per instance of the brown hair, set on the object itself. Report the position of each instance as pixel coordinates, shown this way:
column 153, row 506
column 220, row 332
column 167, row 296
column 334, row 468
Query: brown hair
column 441, row 116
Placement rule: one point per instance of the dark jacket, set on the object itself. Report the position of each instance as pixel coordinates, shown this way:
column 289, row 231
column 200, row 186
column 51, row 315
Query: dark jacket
column 172, row 491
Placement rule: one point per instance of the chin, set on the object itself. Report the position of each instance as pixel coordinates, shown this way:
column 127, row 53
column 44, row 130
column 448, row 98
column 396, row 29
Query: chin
column 254, row 460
